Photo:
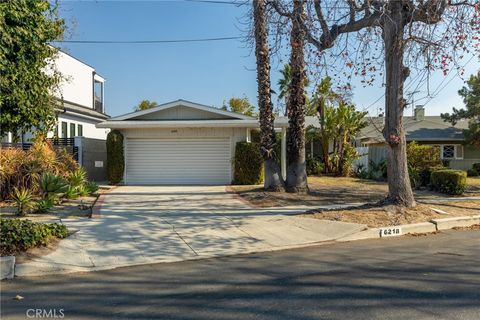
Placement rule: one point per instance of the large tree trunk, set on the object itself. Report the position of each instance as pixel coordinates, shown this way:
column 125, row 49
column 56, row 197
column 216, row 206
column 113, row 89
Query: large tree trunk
column 273, row 178
column 399, row 188
column 296, row 167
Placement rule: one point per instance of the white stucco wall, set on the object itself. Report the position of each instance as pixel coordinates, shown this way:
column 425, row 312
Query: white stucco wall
column 89, row 129
column 77, row 87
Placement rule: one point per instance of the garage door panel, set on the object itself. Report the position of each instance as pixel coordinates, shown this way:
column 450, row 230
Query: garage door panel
column 178, row 161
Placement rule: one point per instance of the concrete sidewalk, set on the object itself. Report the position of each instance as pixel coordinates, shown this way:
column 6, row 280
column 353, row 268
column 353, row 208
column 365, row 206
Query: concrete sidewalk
column 142, row 225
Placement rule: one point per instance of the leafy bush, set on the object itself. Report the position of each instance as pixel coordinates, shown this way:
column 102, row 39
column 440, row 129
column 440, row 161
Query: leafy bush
column 314, row 166
column 362, row 172
column 82, row 190
column 71, row 192
column 421, row 159
column 20, row 235
column 44, row 205
column 52, row 186
column 449, row 181
column 22, row 169
column 472, row 173
column 23, row 200
column 377, row 170
column 115, row 157
column 91, row 187
column 476, row 167
column 248, row 164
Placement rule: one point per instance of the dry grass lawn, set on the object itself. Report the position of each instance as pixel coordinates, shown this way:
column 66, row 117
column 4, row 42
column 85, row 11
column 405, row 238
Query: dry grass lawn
column 338, row 190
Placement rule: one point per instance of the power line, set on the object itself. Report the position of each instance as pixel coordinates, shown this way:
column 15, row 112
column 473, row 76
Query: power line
column 149, row 41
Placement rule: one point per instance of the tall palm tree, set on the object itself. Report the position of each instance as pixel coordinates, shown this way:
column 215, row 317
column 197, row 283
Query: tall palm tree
column 273, row 179
column 296, row 166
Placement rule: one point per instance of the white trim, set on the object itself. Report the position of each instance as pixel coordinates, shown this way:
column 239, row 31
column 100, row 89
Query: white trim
column 455, row 147
column 179, row 124
column 185, row 103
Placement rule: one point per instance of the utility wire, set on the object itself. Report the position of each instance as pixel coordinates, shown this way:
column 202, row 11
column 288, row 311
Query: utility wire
column 149, row 41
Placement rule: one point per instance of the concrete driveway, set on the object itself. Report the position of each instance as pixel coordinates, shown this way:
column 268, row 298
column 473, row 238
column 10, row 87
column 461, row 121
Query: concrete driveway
column 151, row 224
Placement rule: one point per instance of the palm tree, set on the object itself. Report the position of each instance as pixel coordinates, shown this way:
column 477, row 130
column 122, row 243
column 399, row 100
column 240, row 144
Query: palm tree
column 296, row 166
column 273, row 179
column 284, row 88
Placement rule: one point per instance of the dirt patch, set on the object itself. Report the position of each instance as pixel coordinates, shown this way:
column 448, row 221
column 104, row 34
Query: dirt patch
column 472, row 227
column 37, row 252
column 381, row 216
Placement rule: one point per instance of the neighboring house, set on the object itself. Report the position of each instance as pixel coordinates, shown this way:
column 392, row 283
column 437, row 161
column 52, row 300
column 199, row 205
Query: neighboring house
column 183, row 142
column 80, row 106
column 431, row 130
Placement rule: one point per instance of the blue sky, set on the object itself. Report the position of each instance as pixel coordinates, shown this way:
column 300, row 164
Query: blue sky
column 208, row 72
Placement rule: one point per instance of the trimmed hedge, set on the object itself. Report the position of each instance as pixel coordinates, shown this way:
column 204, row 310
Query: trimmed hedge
column 21, row 235
column 449, row 181
column 115, row 157
column 248, row 164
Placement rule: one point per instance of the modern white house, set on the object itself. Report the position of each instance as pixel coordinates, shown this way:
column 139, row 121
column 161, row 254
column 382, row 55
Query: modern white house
column 183, row 142
column 81, row 101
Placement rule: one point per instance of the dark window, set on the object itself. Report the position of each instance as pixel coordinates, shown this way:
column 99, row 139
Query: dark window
column 55, row 133
column 72, row 130
column 64, row 130
column 80, row 130
column 448, row 151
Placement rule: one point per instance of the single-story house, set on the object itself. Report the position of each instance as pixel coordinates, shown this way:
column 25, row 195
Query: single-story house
column 183, row 142
column 431, row 130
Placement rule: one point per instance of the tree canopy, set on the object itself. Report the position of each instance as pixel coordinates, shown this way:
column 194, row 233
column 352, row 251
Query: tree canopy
column 471, row 112
column 28, row 76
column 239, row 105
column 145, row 104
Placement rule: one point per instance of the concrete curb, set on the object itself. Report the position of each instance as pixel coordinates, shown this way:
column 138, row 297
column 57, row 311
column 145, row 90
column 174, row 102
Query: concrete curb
column 7, row 267
column 97, row 206
column 448, row 223
column 422, row 227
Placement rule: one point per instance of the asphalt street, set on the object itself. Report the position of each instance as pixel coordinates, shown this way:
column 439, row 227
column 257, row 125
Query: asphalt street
column 423, row 277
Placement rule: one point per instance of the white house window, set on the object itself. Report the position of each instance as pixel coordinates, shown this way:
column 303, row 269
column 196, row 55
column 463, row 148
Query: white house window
column 451, row 151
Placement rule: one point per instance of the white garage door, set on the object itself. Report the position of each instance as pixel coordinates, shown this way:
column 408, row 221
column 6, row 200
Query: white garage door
column 178, row 161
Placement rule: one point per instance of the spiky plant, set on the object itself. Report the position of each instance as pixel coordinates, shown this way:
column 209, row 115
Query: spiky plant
column 23, row 200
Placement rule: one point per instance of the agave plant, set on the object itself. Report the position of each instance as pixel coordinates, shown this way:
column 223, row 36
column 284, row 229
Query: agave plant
column 44, row 205
column 52, row 185
column 71, row 192
column 24, row 200
column 77, row 178
column 91, row 187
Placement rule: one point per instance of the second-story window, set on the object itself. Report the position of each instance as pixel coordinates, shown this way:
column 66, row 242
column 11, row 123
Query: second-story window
column 98, row 96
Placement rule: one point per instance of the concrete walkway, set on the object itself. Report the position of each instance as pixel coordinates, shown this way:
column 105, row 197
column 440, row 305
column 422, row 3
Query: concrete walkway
column 142, row 225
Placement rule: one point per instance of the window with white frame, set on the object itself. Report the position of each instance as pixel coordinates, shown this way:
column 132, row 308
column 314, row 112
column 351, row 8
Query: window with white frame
column 451, row 151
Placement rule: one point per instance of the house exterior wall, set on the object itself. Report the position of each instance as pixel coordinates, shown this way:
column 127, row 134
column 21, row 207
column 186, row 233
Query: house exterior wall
column 89, row 129
column 77, row 87
column 181, row 113
column 235, row 134
column 93, row 158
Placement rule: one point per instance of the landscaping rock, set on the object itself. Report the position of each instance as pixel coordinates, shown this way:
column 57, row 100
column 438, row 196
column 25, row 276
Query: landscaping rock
column 7, row 267
column 448, row 223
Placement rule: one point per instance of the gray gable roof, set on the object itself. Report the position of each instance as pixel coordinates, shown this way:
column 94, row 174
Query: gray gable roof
column 430, row 128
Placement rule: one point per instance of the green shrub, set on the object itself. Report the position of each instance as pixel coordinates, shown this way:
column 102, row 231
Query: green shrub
column 52, row 186
column 449, row 181
column 472, row 173
column 420, row 159
column 82, row 190
column 248, row 164
column 115, row 157
column 91, row 187
column 377, row 170
column 21, row 235
column 314, row 166
column 476, row 167
column 23, row 200
column 44, row 205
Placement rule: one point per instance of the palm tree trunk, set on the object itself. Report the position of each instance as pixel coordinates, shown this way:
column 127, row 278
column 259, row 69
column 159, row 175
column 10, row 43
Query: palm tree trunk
column 273, row 178
column 296, row 167
column 399, row 188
